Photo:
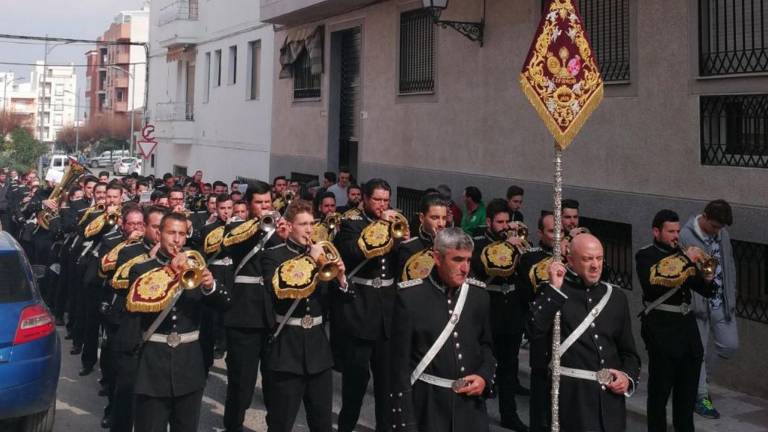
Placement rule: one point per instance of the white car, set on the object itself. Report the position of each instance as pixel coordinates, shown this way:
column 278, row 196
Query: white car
column 127, row 166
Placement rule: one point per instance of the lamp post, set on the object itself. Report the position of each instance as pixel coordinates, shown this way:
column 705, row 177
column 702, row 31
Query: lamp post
column 133, row 100
column 472, row 30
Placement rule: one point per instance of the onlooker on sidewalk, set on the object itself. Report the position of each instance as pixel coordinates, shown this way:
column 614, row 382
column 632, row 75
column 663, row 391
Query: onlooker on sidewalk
column 340, row 189
column 475, row 210
column 715, row 316
column 454, row 212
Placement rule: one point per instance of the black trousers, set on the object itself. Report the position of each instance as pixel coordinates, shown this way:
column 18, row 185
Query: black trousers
column 360, row 358
column 506, row 347
column 539, row 410
column 154, row 414
column 62, row 285
column 125, row 366
column 316, row 391
column 91, row 300
column 107, row 364
column 245, row 348
column 675, row 374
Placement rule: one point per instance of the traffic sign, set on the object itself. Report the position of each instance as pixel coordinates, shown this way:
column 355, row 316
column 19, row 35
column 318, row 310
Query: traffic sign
column 146, row 148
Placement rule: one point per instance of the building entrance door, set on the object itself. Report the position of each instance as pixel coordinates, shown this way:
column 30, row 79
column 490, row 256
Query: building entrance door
column 344, row 136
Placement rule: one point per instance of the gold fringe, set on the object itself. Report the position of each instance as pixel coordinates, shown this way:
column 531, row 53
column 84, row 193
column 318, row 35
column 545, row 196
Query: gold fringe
column 241, row 233
column 120, row 278
column 671, row 281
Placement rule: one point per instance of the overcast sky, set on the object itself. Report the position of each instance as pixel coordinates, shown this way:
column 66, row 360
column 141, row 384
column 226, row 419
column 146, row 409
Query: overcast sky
column 80, row 19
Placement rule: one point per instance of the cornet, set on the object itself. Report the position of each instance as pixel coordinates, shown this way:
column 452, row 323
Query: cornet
column 332, row 221
column 707, row 265
column 399, row 226
column 328, row 261
column 191, row 273
column 268, row 221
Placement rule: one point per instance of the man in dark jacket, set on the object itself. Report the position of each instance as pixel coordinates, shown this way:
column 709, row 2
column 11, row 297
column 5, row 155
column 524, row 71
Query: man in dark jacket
column 442, row 349
column 599, row 365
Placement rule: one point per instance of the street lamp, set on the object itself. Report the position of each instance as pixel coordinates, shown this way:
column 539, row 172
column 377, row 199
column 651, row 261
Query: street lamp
column 472, row 30
column 133, row 99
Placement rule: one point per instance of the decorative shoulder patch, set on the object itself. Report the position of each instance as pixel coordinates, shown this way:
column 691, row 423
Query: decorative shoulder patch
column 475, row 282
column 409, row 283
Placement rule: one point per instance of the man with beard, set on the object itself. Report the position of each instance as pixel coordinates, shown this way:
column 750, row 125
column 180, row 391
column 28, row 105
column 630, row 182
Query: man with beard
column 414, row 256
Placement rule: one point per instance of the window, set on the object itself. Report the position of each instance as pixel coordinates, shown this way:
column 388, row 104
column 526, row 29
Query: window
column 732, row 37
column 617, row 249
column 119, row 95
column 207, row 89
column 408, row 201
column 232, row 75
column 59, row 89
column 58, row 120
column 217, row 67
column 305, row 83
column 254, row 62
column 58, row 104
column 734, row 130
column 417, row 52
column 752, row 280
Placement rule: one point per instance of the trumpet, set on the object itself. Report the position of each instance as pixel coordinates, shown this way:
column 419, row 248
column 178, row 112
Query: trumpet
column 328, row 261
column 399, row 226
column 191, row 274
column 269, row 220
column 113, row 217
column 332, row 221
column 707, row 264
column 520, row 232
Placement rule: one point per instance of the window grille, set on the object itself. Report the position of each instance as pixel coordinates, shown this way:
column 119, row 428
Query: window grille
column 734, row 130
column 305, row 83
column 752, row 280
column 617, row 249
column 408, row 202
column 732, row 37
column 417, row 52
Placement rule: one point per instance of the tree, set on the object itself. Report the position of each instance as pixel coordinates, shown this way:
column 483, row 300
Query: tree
column 99, row 134
column 21, row 151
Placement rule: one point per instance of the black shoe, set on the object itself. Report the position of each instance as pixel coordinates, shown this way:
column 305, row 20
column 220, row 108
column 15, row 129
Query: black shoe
column 76, row 350
column 85, row 371
column 522, row 391
column 106, row 422
column 514, row 423
column 68, row 336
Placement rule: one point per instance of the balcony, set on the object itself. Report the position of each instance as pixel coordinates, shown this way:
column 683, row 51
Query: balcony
column 294, row 12
column 175, row 122
column 177, row 24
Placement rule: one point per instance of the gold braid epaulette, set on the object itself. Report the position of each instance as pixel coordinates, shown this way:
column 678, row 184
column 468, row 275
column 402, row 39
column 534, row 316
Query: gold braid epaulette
column 96, row 225
column 87, row 213
column 109, row 261
column 672, row 271
column 539, row 273
column 418, row 266
column 213, row 240
column 241, row 233
column 295, row 278
column 120, row 279
column 353, row 213
column 376, row 239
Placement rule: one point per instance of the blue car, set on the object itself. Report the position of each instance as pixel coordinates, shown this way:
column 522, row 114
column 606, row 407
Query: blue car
column 30, row 351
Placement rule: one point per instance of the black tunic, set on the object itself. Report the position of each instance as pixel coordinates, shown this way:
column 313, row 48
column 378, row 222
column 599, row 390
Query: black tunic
column 584, row 406
column 169, row 372
column 369, row 314
column 422, row 310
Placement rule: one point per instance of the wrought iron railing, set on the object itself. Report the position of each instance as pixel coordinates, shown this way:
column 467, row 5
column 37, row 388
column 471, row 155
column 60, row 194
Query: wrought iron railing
column 417, row 52
column 617, row 249
column 185, row 10
column 752, row 280
column 306, row 85
column 303, row 178
column 733, row 37
column 607, row 25
column 175, row 111
column 734, row 130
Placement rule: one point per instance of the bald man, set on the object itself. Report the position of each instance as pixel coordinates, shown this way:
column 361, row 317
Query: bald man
column 599, row 363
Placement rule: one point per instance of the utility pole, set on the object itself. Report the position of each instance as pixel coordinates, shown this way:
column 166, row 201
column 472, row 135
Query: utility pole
column 42, row 98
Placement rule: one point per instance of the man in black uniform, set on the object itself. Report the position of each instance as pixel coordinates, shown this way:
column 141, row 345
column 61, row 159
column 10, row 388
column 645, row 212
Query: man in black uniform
column 599, row 364
column 171, row 376
column 366, row 246
column 249, row 320
column 442, row 349
column 667, row 275
column 494, row 262
column 128, row 332
column 414, row 259
column 299, row 360
column 515, row 203
column 534, row 268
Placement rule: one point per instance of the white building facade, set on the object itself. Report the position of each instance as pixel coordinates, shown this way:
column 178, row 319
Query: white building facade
column 210, row 88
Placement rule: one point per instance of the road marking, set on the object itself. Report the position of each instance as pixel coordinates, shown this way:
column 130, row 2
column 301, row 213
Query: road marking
column 61, row 405
column 67, row 379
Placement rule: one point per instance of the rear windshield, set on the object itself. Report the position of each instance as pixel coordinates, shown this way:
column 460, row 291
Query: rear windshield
column 14, row 280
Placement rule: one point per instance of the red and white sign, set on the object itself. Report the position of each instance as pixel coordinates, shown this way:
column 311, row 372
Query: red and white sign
column 148, row 144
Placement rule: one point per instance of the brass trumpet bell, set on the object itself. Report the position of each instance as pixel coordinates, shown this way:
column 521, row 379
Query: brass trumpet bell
column 399, row 226
column 707, row 264
column 268, row 221
column 113, row 218
column 328, row 262
column 333, row 221
column 191, row 275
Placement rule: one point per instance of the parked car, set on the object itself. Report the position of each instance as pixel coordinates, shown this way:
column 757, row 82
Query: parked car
column 30, row 350
column 107, row 158
column 127, row 165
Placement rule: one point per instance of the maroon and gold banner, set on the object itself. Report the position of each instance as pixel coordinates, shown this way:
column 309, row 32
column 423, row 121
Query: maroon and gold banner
column 560, row 76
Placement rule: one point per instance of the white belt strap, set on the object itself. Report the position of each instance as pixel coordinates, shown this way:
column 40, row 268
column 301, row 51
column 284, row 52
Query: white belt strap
column 436, row 381
column 376, row 282
column 683, row 308
column 249, row 279
column 440, row 341
column 175, row 339
column 656, row 303
column 502, row 288
column 304, row 322
column 591, row 316
column 221, row 262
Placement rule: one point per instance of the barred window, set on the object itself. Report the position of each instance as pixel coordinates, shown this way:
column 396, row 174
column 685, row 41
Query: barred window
column 616, row 238
column 306, row 85
column 732, row 37
column 417, row 52
column 734, row 130
column 408, row 202
column 607, row 25
column 752, row 280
